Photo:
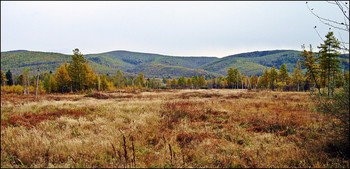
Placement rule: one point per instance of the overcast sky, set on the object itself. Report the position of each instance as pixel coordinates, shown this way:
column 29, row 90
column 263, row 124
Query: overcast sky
column 172, row 28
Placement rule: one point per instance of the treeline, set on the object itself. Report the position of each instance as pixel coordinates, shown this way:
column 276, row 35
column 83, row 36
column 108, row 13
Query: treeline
column 323, row 71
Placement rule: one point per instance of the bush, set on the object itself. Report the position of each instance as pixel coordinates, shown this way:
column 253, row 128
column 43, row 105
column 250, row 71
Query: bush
column 18, row 89
column 338, row 107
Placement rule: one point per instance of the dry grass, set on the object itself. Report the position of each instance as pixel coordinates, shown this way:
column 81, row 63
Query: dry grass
column 179, row 128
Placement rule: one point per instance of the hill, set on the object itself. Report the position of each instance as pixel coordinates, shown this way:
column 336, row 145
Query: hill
column 156, row 65
column 255, row 62
column 152, row 65
column 16, row 61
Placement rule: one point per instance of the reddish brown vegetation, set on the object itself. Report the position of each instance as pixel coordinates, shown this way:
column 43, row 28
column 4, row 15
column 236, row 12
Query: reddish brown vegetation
column 199, row 94
column 181, row 129
column 97, row 95
column 21, row 99
column 31, row 120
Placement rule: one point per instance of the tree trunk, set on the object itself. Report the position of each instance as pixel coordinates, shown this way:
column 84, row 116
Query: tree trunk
column 37, row 84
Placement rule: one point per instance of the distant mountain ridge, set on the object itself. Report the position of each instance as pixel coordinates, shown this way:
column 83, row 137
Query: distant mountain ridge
column 157, row 65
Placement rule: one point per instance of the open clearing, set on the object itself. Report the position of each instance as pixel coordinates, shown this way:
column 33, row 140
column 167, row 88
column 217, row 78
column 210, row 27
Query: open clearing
column 171, row 128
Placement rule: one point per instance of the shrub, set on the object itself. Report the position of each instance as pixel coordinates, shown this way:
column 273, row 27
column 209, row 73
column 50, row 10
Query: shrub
column 18, row 89
column 338, row 107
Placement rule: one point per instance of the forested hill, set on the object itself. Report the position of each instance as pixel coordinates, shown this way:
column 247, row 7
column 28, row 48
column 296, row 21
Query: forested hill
column 255, row 62
column 152, row 65
column 156, row 65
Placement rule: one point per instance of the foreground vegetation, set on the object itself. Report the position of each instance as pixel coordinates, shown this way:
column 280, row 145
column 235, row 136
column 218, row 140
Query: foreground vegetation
column 180, row 128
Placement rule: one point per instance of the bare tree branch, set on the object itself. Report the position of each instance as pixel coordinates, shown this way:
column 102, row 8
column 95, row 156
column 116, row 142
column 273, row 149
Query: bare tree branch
column 331, row 2
column 343, row 44
column 341, row 8
column 345, row 5
column 318, row 34
column 329, row 22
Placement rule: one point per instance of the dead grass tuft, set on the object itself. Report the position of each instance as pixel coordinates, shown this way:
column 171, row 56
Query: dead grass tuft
column 31, row 120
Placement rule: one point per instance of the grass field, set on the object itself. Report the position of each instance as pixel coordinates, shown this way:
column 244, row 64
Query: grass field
column 179, row 128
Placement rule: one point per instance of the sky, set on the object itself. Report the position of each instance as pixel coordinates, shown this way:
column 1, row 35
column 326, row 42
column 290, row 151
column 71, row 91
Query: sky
column 179, row 28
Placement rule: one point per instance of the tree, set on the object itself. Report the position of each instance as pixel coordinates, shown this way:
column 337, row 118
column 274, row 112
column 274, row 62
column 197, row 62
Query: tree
column 297, row 76
column 25, row 81
column 263, row 81
column 76, row 70
column 49, row 83
column 168, row 83
column 201, row 82
column 182, row 82
column 245, row 82
column 89, row 78
column 283, row 77
column 254, row 81
column 37, row 83
column 224, row 82
column 119, row 79
column 62, row 78
column 53, row 83
column 273, row 77
column 194, row 80
column 329, row 61
column 46, row 83
column 312, row 68
column 3, row 78
column 283, row 73
column 231, row 77
column 104, row 82
column 140, row 80
column 189, row 83
column 173, row 83
column 154, row 83
column 237, row 77
column 234, row 77
column 338, row 104
column 9, row 78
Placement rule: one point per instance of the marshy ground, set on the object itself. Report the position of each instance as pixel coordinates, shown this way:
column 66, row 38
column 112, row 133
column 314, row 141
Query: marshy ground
column 170, row 128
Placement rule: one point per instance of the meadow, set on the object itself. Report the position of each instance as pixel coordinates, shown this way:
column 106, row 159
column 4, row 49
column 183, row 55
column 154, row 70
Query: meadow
column 168, row 128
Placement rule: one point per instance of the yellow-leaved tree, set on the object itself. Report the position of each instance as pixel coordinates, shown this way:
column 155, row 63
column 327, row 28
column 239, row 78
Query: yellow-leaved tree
column 63, row 79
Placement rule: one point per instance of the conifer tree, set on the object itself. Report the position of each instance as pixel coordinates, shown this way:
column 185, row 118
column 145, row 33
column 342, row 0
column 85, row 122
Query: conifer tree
column 312, row 67
column 76, row 70
column 329, row 62
column 9, row 78
column 283, row 73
